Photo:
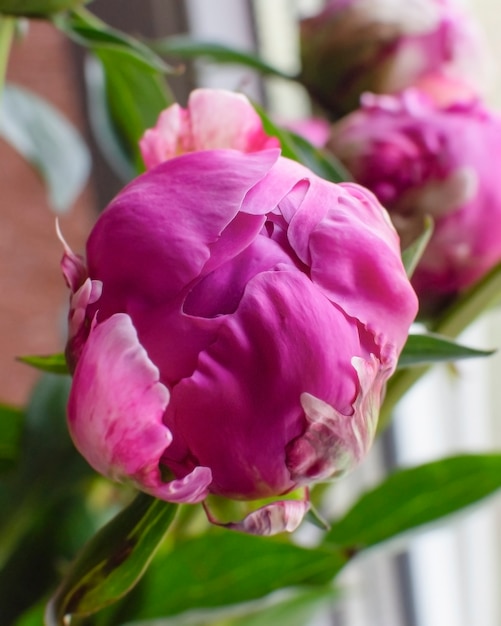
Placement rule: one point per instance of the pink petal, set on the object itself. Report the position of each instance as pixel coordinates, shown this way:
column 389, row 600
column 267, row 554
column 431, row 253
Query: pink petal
column 169, row 138
column 214, row 119
column 223, row 119
column 285, row 338
column 115, row 412
column 153, row 222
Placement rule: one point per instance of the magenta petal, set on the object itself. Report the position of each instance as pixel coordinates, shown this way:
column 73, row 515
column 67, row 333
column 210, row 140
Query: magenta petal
column 274, row 518
column 285, row 338
column 155, row 238
column 115, row 413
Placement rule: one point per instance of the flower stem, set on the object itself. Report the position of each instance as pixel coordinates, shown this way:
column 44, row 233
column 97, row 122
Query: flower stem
column 463, row 311
column 7, row 28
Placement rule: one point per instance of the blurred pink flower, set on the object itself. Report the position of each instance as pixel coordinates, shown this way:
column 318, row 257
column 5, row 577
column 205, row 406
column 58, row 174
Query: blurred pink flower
column 423, row 159
column 214, row 118
column 233, row 328
column 384, row 46
column 316, row 130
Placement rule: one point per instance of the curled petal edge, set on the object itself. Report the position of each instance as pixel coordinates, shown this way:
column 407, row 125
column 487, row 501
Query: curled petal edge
column 72, row 265
column 115, row 414
column 333, row 443
column 271, row 519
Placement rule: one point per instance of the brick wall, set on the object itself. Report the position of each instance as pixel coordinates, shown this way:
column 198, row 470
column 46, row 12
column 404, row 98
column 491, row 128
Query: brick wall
column 32, row 291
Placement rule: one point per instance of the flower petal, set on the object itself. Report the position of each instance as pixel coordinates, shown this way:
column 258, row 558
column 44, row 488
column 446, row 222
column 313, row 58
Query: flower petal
column 201, row 127
column 274, row 518
column 115, row 413
column 154, row 238
column 333, row 442
column 224, row 119
column 285, row 338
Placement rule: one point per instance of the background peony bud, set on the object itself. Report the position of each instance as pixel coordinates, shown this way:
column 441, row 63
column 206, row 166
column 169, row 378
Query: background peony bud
column 384, row 46
column 422, row 159
column 250, row 315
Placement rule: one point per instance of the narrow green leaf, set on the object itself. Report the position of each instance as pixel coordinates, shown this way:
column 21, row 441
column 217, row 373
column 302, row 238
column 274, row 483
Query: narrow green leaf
column 7, row 32
column 54, row 363
column 412, row 255
column 299, row 149
column 89, row 31
column 113, row 561
column 322, row 163
column 11, row 425
column 135, row 96
column 133, row 87
column 226, row 568
column 431, row 348
column 296, row 611
column 36, row 8
column 48, row 141
column 468, row 307
column 294, row 608
column 187, row 48
column 412, row 497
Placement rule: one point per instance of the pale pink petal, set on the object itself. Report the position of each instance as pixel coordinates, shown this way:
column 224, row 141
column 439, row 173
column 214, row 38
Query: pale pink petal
column 72, row 265
column 278, row 517
column 169, row 138
column 214, row 119
column 223, row 119
column 115, row 413
column 333, row 442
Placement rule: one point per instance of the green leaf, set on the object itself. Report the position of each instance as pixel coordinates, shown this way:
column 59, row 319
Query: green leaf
column 11, row 426
column 88, row 30
column 48, row 141
column 299, row 149
column 187, row 48
column 412, row 255
column 36, row 8
column 412, row 497
column 431, row 348
column 295, row 611
column 458, row 316
column 53, row 363
column 113, row 561
column 36, row 497
column 224, row 568
column 471, row 304
column 133, row 87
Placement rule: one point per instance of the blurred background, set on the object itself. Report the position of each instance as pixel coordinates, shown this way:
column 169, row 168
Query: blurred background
column 450, row 575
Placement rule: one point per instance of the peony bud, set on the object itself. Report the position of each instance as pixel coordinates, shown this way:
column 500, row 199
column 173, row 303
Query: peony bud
column 384, row 46
column 232, row 330
column 423, row 159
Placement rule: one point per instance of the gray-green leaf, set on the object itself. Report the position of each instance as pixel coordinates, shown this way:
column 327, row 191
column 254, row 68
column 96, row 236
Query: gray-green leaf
column 46, row 139
column 412, row 497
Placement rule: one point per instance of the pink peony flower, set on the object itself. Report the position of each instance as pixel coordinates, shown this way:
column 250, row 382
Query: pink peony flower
column 384, row 46
column 422, row 159
column 232, row 330
column 214, row 118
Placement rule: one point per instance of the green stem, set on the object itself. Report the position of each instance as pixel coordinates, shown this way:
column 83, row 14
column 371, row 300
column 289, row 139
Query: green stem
column 7, row 29
column 451, row 323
